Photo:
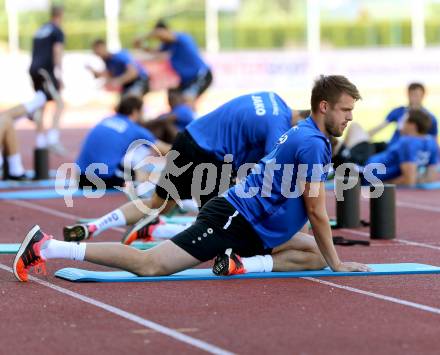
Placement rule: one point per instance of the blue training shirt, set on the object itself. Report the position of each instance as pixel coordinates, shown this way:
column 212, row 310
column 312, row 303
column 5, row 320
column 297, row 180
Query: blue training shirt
column 278, row 211
column 421, row 151
column 247, row 127
column 108, row 142
column 185, row 57
column 117, row 64
column 399, row 114
column 42, row 46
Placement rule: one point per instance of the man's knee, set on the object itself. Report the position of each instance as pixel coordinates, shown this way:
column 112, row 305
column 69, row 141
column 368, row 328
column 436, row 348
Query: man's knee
column 148, row 265
column 315, row 259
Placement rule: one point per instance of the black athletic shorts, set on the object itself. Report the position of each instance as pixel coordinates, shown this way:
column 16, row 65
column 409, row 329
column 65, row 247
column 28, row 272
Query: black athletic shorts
column 38, row 82
column 117, row 180
column 110, row 182
column 359, row 154
column 198, row 85
column 138, row 87
column 218, row 227
column 191, row 153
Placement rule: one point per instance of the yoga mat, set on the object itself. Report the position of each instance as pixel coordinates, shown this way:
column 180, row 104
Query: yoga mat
column 166, row 219
column 47, row 194
column 81, row 275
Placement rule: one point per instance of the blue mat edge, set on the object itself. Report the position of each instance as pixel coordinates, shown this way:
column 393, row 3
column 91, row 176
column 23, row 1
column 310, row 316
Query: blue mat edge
column 66, row 272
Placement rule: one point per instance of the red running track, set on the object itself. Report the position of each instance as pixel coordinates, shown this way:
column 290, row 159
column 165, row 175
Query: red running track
column 354, row 315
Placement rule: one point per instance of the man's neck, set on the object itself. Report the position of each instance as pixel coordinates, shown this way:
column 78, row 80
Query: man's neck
column 319, row 121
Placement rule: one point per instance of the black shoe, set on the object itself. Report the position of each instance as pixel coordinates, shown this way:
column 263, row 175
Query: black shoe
column 141, row 230
column 78, row 232
column 29, row 253
column 227, row 264
column 22, row 177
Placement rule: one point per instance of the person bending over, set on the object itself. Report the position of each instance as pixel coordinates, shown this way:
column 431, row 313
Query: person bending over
column 121, row 71
column 108, row 142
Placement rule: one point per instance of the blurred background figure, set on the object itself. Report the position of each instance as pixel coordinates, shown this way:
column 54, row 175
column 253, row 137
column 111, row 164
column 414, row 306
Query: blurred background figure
column 168, row 125
column 195, row 75
column 122, row 72
column 416, row 94
column 108, row 142
column 9, row 145
column 46, row 64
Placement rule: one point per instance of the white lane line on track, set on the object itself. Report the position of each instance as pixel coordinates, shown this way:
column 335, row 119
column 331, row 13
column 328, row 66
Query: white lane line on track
column 145, row 322
column 50, row 211
column 419, row 306
column 416, row 206
column 200, row 344
column 395, row 300
column 400, row 241
column 54, row 212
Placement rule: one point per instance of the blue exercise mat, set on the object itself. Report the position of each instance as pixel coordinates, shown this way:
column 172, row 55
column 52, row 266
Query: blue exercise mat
column 166, row 219
column 435, row 185
column 80, row 275
column 46, row 194
column 11, row 184
column 9, row 248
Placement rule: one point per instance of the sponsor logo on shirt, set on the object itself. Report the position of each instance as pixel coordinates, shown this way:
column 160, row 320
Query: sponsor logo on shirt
column 283, row 138
column 260, row 110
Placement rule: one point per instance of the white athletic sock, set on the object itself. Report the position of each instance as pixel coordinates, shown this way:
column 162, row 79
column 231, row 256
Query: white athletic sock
column 113, row 219
column 37, row 102
column 190, row 206
column 41, row 141
column 15, row 165
column 1, row 159
column 166, row 231
column 53, row 136
column 258, row 263
column 55, row 249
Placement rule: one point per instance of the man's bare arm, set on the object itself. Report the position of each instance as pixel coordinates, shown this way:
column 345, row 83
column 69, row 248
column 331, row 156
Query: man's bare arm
column 378, row 128
column 408, row 175
column 314, row 199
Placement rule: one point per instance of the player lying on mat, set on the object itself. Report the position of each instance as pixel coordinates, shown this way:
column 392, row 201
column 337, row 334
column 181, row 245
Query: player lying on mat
column 167, row 126
column 416, row 94
column 107, row 143
column 121, row 71
column 242, row 131
column 412, row 150
column 258, row 228
column 8, row 137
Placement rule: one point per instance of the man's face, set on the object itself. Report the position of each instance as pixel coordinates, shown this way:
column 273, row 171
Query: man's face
column 100, row 50
column 338, row 115
column 415, row 98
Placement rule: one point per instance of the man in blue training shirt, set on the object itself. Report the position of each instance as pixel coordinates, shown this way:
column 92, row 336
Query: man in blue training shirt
column 212, row 150
column 263, row 229
column 107, row 143
column 416, row 94
column 167, row 126
column 415, row 148
column 195, row 75
column 122, row 70
column 46, row 66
